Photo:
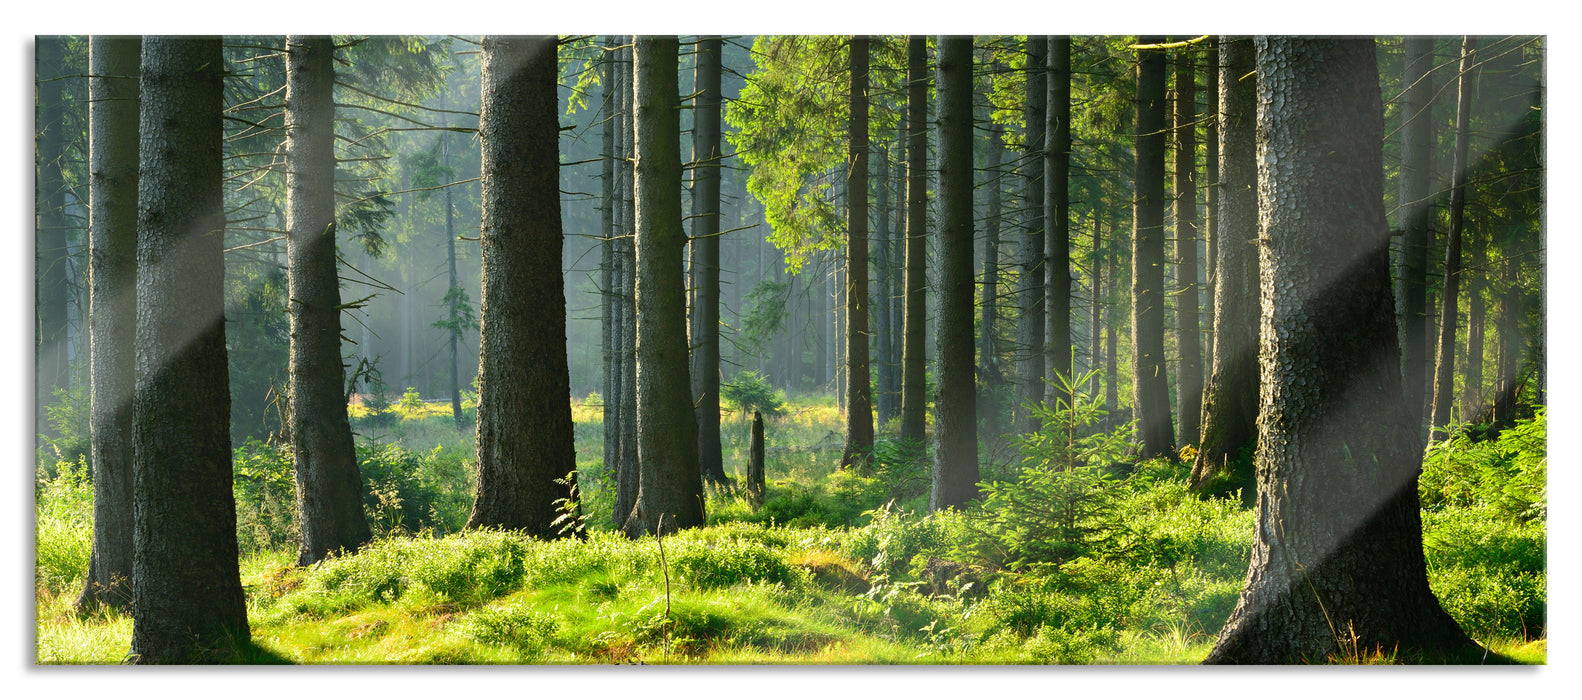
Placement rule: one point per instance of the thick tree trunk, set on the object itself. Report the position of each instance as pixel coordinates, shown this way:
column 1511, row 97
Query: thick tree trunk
column 1337, row 564
column 1230, row 403
column 955, row 478
column 859, row 390
column 524, row 414
column 706, row 169
column 670, row 490
column 1032, row 329
column 1417, row 213
column 51, row 291
column 112, row 316
column 913, row 400
column 329, row 485
column 1189, row 378
column 1150, row 390
column 1057, row 210
column 1444, row 366
column 188, row 604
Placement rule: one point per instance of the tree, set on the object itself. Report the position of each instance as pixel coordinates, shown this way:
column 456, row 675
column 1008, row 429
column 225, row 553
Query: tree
column 1444, row 367
column 186, row 584
column 112, row 273
column 1230, row 402
column 1338, row 557
column 1189, row 378
column 989, row 304
column 609, row 264
column 1034, row 255
column 706, row 167
column 50, row 292
column 955, row 474
column 329, row 486
column 524, row 416
column 913, row 400
column 859, row 390
column 1417, row 212
column 1057, row 207
column 628, row 472
column 670, row 491
column 1150, row 390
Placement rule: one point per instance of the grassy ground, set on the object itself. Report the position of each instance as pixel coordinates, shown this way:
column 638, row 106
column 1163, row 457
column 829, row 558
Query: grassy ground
column 836, row 568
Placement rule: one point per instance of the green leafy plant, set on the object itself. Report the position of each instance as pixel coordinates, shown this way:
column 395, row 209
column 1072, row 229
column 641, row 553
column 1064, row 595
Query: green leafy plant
column 750, row 391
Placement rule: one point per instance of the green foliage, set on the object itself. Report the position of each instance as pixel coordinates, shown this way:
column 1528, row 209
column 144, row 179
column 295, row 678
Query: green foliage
column 1488, row 571
column 412, row 491
column 766, row 314
column 515, row 624
column 263, row 483
column 1508, row 475
column 731, row 562
column 63, row 527
column 67, row 417
column 750, row 391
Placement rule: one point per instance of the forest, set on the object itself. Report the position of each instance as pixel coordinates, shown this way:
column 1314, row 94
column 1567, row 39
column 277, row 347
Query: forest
column 790, row 349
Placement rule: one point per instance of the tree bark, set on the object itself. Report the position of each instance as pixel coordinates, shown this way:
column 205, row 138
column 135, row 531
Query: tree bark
column 1094, row 323
column 755, row 462
column 51, row 291
column 1417, row 213
column 1150, row 389
column 1444, row 367
column 885, row 335
column 705, row 327
column 609, row 275
column 629, row 476
column 670, row 490
column 188, row 604
column 859, row 390
column 1337, row 565
column 988, row 341
column 913, row 400
column 1211, row 190
column 1189, row 378
column 1230, row 403
column 454, row 301
column 1035, row 259
column 524, row 413
column 1472, row 372
column 112, row 316
column 329, row 485
column 955, row 477
column 1057, row 210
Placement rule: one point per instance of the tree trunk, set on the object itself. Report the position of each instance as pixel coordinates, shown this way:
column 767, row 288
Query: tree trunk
column 1211, row 192
column 1034, row 255
column 1098, row 305
column 1230, row 403
column 1057, row 209
column 454, row 296
column 329, row 485
column 188, row 604
column 988, row 342
column 885, row 335
column 609, row 275
column 1417, row 214
column 859, row 391
column 51, row 292
column 1474, row 276
column 112, row 242
column 1189, row 378
column 1112, row 402
column 913, row 400
column 670, row 490
column 1150, row 390
column 1444, row 367
column 524, row 413
column 629, row 478
column 1507, row 324
column 755, row 462
column 706, row 169
column 955, row 478
column 1337, row 565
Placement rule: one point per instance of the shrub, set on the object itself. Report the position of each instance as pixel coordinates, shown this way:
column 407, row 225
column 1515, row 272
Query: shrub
column 264, row 485
column 63, row 527
column 411, row 491
column 1508, row 474
column 726, row 563
column 750, row 391
column 514, row 624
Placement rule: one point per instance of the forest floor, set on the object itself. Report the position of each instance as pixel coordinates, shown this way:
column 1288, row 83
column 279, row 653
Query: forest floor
column 835, row 568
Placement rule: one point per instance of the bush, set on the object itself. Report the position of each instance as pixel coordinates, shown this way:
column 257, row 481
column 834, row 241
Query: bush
column 1508, row 474
column 411, row 491
column 516, row 625
column 750, row 391
column 730, row 562
column 63, row 527
column 263, row 483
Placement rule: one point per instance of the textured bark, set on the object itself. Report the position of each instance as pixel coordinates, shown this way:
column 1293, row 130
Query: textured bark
column 988, row 340
column 1033, row 330
column 859, row 390
column 629, row 473
column 1338, row 536
column 1189, row 377
column 51, row 292
column 913, row 401
column 1230, row 402
column 329, row 485
column 609, row 276
column 885, row 335
column 1472, row 371
column 755, row 461
column 112, row 312
column 670, row 490
column 1211, row 190
column 524, row 413
column 1057, row 209
column 188, row 604
column 955, row 477
column 1444, row 366
column 1417, row 213
column 705, row 248
column 1150, row 390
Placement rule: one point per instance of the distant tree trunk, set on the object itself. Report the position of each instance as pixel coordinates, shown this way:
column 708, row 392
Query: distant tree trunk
column 955, row 478
column 112, row 272
column 913, row 400
column 524, row 387
column 755, row 462
column 609, row 275
column 1475, row 276
column 51, row 292
column 1507, row 324
column 1034, row 255
column 1189, row 380
column 1230, row 403
column 329, row 485
column 629, row 477
column 1057, row 208
column 1098, row 306
column 705, row 247
column 898, row 264
column 1112, row 402
column 1444, row 367
column 188, row 604
column 453, row 293
column 1211, row 191
column 859, row 392
column 884, row 261
column 1339, row 547
column 670, row 491
column 1150, row 390
column 988, row 342
column 1417, row 213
